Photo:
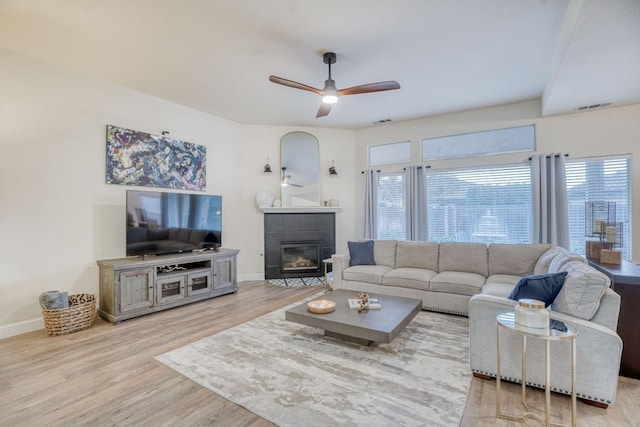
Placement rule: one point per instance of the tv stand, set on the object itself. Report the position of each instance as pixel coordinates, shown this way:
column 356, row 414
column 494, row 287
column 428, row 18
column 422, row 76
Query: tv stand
column 135, row 286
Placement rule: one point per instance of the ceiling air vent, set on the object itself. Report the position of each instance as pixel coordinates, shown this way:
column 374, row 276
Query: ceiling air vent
column 593, row 106
column 377, row 122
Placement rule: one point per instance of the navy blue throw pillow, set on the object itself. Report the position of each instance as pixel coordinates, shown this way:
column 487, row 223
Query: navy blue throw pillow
column 361, row 253
column 543, row 287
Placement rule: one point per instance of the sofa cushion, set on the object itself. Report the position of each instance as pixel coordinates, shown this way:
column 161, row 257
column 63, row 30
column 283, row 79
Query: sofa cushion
column 456, row 282
column 515, row 259
column 562, row 257
column 505, row 279
column 384, row 252
column 583, row 288
column 414, row 278
column 541, row 287
column 417, row 255
column 361, row 253
column 464, row 257
column 497, row 289
column 542, row 266
column 366, row 273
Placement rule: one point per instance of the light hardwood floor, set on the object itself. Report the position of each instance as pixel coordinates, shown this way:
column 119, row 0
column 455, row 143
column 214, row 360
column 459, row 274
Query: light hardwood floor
column 106, row 375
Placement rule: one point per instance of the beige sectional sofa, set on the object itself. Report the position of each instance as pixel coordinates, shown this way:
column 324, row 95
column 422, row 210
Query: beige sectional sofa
column 475, row 279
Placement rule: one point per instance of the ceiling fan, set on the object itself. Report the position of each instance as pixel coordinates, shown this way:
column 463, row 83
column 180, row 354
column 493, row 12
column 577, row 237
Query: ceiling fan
column 330, row 93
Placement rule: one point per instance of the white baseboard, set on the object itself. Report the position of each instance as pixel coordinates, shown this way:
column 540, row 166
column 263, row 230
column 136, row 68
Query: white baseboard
column 23, row 327
column 252, row 276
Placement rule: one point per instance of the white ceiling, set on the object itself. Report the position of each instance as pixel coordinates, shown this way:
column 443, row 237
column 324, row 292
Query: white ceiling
column 448, row 55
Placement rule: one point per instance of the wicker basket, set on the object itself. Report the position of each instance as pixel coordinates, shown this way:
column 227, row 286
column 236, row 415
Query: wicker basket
column 80, row 315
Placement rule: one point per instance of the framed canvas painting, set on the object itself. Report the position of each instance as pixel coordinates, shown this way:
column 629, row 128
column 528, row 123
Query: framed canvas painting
column 143, row 159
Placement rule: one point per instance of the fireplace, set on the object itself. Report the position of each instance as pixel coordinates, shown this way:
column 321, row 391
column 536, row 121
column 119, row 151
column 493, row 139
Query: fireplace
column 299, row 258
column 296, row 243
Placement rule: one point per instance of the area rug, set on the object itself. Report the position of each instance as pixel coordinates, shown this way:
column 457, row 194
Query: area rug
column 293, row 375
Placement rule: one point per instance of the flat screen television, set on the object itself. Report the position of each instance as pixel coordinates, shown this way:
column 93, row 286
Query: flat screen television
column 165, row 223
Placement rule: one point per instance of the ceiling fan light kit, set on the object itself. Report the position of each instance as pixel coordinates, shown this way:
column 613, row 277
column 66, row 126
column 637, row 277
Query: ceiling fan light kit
column 330, row 93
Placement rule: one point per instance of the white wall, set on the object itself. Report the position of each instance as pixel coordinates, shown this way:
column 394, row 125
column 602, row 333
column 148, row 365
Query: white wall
column 611, row 131
column 57, row 214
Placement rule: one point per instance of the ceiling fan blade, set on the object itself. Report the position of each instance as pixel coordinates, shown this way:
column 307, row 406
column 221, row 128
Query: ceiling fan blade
column 323, row 110
column 370, row 87
column 294, row 85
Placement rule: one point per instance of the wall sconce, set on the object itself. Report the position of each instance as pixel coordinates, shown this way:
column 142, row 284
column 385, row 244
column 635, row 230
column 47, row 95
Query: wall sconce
column 267, row 167
column 332, row 169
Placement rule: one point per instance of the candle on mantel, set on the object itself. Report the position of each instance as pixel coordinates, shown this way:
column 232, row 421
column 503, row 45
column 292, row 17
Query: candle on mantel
column 611, row 235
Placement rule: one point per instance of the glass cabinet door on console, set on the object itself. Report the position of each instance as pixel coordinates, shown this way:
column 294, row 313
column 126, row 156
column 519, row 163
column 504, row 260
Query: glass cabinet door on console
column 169, row 289
column 136, row 289
column 199, row 283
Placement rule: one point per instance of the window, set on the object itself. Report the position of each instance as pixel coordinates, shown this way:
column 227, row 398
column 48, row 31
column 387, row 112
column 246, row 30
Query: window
column 599, row 180
column 485, row 143
column 392, row 206
column 388, row 154
column 487, row 205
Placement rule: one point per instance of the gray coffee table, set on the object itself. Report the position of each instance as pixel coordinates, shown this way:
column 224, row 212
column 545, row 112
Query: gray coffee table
column 369, row 326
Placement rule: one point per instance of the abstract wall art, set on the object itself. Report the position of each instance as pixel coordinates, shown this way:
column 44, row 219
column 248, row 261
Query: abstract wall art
column 142, row 159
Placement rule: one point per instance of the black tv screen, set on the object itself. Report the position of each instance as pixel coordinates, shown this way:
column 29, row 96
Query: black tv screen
column 165, row 223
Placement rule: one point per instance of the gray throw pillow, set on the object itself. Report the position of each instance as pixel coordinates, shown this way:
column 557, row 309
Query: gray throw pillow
column 361, row 253
column 542, row 287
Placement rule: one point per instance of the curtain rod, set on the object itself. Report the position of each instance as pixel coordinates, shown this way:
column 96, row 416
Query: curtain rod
column 365, row 171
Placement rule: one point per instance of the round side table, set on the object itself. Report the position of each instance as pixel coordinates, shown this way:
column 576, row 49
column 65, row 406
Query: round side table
column 506, row 322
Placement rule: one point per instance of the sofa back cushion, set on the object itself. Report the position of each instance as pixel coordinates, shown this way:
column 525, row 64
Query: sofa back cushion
column 464, row 257
column 562, row 257
column 384, row 252
column 515, row 259
column 417, row 255
column 582, row 290
column 542, row 266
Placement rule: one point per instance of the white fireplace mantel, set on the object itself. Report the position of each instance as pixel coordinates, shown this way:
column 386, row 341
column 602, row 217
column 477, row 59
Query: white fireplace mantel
column 302, row 209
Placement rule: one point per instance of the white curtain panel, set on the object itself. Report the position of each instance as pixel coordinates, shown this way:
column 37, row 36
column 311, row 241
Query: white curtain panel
column 550, row 206
column 370, row 204
column 416, row 209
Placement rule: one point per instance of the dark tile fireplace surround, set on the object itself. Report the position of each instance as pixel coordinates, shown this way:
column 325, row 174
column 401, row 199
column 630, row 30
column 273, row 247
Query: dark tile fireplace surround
column 296, row 243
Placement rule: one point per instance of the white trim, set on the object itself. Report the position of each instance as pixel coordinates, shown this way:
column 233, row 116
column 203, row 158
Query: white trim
column 250, row 277
column 19, row 328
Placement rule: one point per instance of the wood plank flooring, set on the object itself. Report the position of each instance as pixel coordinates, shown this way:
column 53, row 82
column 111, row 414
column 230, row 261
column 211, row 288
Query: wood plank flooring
column 106, row 375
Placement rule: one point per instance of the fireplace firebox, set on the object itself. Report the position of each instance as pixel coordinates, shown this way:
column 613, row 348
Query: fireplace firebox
column 300, row 257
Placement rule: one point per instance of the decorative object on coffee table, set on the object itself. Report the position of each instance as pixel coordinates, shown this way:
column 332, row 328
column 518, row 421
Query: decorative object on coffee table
column 321, row 306
column 364, row 301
